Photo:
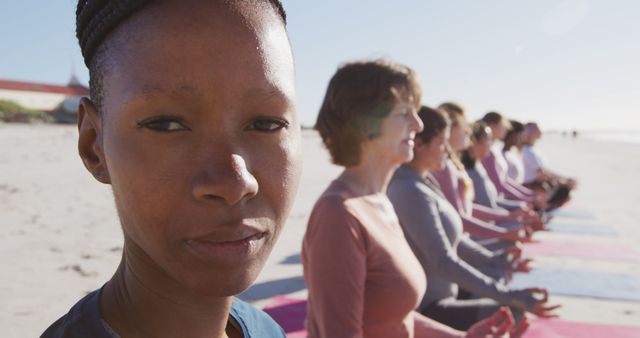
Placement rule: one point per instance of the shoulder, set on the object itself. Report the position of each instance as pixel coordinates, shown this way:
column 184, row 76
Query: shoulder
column 254, row 322
column 527, row 150
column 338, row 210
column 83, row 320
column 409, row 190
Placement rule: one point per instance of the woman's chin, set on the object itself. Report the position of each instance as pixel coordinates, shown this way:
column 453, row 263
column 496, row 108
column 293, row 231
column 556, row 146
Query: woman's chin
column 223, row 285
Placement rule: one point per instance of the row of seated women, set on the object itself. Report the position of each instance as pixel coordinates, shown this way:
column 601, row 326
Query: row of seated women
column 418, row 235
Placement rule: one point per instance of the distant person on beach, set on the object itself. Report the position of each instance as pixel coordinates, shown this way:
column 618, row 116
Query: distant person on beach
column 512, row 151
column 192, row 121
column 457, row 187
column 486, row 193
column 537, row 176
column 433, row 229
column 362, row 277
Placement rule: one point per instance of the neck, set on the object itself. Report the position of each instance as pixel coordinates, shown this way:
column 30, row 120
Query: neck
column 140, row 301
column 417, row 166
column 368, row 177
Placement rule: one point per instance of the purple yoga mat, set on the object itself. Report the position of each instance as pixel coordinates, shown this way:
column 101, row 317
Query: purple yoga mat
column 290, row 313
column 586, row 250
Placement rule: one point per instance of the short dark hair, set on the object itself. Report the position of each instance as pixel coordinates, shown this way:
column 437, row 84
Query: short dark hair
column 359, row 96
column 492, row 118
column 435, row 122
column 478, row 131
column 454, row 110
column 451, row 108
column 95, row 19
column 511, row 139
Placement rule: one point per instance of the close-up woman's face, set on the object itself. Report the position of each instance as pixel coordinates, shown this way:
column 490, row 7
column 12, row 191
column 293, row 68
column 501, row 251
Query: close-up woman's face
column 201, row 139
column 398, row 131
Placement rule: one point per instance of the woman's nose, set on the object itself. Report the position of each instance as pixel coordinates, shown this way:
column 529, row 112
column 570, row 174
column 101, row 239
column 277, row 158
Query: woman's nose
column 225, row 179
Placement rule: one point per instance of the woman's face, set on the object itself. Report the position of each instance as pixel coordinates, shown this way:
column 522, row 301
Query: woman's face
column 435, row 152
column 200, row 140
column 500, row 130
column 397, row 133
column 482, row 147
column 459, row 135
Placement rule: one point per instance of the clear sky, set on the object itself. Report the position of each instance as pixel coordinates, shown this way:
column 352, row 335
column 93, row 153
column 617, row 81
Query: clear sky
column 564, row 63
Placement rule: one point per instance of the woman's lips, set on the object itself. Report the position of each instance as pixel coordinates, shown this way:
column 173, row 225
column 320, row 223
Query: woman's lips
column 229, row 249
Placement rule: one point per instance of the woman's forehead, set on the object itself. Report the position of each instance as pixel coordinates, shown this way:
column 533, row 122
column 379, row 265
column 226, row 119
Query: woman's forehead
column 222, row 51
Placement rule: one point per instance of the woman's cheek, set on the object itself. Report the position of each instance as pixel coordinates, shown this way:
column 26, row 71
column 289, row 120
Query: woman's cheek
column 282, row 167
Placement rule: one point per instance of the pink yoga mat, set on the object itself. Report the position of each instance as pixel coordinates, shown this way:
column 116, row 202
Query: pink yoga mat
column 587, row 250
column 290, row 313
column 555, row 328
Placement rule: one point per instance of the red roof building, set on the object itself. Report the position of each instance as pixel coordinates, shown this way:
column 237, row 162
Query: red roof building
column 40, row 96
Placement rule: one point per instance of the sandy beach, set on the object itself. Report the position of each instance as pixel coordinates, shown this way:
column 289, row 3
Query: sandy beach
column 60, row 237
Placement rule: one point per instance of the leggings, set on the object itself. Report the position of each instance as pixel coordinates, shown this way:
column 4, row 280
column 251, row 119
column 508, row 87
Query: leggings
column 462, row 314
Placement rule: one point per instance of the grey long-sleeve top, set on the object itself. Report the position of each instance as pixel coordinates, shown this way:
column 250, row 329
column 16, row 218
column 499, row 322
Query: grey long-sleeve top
column 433, row 229
column 485, row 192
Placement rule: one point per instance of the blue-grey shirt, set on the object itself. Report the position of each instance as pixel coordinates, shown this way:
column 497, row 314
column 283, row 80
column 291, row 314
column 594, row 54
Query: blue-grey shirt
column 485, row 191
column 84, row 321
column 434, row 231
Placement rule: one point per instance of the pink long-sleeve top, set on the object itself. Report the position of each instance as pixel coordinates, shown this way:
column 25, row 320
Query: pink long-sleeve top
column 449, row 180
column 363, row 278
column 496, row 166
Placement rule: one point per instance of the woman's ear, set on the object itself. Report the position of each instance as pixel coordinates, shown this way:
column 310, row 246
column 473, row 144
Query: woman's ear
column 90, row 141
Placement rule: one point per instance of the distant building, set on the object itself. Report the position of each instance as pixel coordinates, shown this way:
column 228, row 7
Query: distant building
column 39, row 96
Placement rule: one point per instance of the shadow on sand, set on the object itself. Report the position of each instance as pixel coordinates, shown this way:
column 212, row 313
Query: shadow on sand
column 293, row 259
column 273, row 288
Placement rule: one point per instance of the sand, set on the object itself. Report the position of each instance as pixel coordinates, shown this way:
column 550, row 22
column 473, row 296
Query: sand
column 60, row 236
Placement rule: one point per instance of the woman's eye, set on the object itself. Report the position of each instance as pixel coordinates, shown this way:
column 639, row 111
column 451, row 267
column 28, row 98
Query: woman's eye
column 163, row 124
column 268, row 125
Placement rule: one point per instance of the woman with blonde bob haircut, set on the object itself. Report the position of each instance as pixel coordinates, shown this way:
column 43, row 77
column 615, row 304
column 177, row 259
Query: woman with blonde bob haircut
column 363, row 278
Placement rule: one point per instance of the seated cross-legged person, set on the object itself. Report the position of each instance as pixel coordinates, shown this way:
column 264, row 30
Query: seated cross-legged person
column 539, row 177
column 457, row 187
column 434, row 231
column 363, row 278
column 496, row 165
column 512, row 152
column 485, row 191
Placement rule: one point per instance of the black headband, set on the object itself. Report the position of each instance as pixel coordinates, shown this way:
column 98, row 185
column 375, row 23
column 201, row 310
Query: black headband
column 96, row 18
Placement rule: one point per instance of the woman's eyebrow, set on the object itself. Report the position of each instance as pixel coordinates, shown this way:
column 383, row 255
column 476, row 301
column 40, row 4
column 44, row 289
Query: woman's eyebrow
column 264, row 94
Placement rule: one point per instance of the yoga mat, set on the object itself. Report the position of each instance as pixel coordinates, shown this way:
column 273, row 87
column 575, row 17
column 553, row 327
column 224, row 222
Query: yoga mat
column 597, row 229
column 290, row 313
column 607, row 251
column 580, row 283
column 555, row 328
column 572, row 213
